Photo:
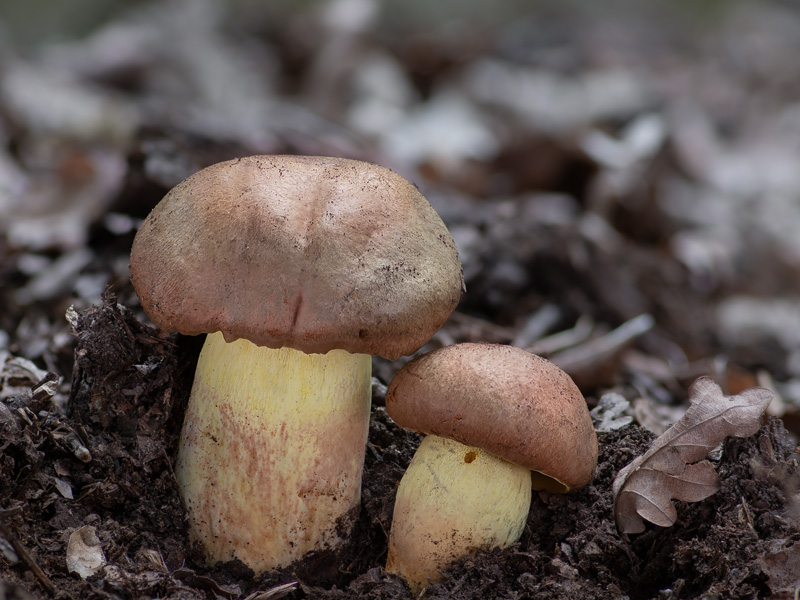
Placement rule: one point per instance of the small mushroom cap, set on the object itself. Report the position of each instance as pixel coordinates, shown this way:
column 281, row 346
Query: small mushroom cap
column 313, row 253
column 514, row 404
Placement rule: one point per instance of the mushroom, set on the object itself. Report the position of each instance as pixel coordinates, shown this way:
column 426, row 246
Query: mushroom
column 492, row 414
column 298, row 268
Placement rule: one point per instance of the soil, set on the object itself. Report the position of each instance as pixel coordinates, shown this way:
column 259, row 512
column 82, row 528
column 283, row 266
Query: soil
column 129, row 389
column 637, row 227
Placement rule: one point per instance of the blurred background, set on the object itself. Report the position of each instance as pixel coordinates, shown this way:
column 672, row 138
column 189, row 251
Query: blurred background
column 622, row 180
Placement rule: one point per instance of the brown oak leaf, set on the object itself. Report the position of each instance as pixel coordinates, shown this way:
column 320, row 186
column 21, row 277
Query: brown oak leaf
column 674, row 466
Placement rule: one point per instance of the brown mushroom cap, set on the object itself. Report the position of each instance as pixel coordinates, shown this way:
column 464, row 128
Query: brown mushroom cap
column 312, row 253
column 514, row 404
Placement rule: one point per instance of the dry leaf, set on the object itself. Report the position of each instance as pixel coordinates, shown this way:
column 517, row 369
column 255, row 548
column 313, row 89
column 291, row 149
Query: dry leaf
column 670, row 468
column 84, row 552
column 608, row 414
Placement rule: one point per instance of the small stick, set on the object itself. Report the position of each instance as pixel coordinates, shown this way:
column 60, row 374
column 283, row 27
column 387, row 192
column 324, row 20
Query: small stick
column 596, row 350
column 279, row 591
column 27, row 558
column 564, row 339
column 537, row 325
column 485, row 328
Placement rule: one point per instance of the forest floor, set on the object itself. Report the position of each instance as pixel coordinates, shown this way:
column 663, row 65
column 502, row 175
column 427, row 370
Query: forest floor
column 625, row 199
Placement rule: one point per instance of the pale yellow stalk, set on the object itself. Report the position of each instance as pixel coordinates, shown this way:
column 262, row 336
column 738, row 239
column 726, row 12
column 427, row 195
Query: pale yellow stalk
column 453, row 500
column 272, row 450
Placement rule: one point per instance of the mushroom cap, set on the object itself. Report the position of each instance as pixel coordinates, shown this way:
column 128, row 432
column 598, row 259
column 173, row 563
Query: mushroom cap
column 312, row 253
column 514, row 404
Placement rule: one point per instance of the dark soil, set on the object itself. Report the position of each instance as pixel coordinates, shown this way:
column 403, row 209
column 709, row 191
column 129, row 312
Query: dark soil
column 621, row 181
column 130, row 386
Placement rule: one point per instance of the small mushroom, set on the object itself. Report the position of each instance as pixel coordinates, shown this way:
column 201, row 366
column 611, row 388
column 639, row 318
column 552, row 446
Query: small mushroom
column 299, row 269
column 492, row 414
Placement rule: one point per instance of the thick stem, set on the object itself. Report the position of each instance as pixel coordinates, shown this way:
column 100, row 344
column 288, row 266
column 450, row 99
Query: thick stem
column 272, row 450
column 452, row 500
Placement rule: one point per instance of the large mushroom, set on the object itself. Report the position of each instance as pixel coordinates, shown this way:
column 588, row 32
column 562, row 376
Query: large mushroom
column 299, row 269
column 493, row 415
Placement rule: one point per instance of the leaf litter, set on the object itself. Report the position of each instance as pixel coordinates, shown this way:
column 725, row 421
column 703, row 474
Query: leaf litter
column 673, row 466
column 619, row 171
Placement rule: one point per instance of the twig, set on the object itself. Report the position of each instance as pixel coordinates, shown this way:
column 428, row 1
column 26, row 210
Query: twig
column 597, row 350
column 565, row 339
column 537, row 325
column 26, row 558
column 278, row 591
column 480, row 328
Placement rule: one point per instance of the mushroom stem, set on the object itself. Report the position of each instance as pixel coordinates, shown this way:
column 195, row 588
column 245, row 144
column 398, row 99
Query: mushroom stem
column 272, row 450
column 452, row 500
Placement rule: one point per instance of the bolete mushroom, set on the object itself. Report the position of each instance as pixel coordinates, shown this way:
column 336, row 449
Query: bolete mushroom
column 298, row 268
column 492, row 414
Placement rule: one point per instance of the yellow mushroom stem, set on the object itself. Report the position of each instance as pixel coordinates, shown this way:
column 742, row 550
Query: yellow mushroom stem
column 453, row 500
column 272, row 450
